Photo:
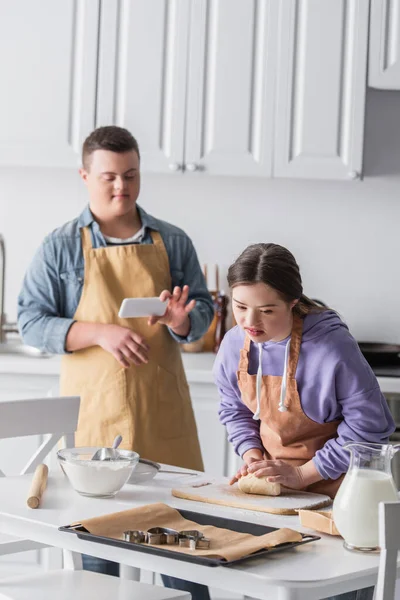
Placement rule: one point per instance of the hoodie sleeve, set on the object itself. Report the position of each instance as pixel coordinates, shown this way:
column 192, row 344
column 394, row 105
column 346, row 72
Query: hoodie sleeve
column 243, row 431
column 363, row 409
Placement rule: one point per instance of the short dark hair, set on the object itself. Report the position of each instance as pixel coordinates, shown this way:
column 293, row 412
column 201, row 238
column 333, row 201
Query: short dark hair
column 275, row 266
column 111, row 137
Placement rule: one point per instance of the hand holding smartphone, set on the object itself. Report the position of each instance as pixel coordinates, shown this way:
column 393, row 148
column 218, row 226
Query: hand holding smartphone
column 142, row 307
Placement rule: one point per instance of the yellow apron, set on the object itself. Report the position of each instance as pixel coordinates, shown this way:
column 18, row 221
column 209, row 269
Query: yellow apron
column 149, row 405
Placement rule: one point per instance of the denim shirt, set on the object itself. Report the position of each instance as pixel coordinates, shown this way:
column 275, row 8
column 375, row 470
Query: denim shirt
column 53, row 283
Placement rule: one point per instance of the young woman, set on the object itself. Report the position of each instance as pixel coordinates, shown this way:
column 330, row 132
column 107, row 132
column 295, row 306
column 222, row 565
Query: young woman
column 294, row 385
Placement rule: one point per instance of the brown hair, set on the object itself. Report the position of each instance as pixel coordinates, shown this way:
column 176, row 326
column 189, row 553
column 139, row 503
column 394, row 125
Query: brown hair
column 275, row 266
column 116, row 139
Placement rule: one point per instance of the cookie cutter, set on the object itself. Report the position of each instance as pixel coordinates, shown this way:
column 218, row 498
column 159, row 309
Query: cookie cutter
column 194, row 540
column 158, row 536
column 162, row 535
column 135, row 536
column 193, row 544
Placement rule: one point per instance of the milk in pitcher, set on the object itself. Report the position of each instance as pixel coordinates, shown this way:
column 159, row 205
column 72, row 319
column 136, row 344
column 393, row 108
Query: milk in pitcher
column 355, row 509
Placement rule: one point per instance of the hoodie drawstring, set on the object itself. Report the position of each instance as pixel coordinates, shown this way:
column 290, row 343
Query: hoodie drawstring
column 256, row 415
column 281, row 406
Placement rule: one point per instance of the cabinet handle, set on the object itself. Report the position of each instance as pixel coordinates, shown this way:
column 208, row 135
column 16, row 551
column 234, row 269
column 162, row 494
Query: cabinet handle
column 192, row 167
column 175, row 167
column 354, row 175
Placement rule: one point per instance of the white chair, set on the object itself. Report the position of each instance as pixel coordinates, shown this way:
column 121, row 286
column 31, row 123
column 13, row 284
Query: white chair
column 389, row 542
column 83, row 585
column 56, row 418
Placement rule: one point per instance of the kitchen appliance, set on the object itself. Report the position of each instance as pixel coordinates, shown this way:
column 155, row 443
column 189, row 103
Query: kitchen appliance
column 380, row 354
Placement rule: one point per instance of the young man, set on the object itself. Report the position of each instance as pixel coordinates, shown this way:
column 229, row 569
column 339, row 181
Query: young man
column 128, row 373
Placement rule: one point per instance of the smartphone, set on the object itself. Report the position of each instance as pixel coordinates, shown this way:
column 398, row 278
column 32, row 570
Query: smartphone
column 142, row 307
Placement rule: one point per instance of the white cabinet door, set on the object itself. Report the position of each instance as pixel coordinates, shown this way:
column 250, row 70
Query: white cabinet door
column 231, row 73
column 142, row 76
column 321, row 86
column 384, row 45
column 212, row 434
column 48, row 80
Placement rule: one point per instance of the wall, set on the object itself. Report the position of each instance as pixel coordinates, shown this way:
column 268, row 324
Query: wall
column 345, row 235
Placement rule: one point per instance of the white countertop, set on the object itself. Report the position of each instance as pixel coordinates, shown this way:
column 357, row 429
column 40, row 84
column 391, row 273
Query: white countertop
column 314, row 570
column 198, row 366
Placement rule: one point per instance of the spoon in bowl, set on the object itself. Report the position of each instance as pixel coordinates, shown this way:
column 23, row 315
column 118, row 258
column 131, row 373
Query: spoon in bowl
column 107, row 453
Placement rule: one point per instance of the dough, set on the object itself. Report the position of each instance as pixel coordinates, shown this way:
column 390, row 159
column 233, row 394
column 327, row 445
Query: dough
column 249, row 484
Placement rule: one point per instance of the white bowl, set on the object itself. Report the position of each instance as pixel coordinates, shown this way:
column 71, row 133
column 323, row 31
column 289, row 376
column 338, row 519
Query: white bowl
column 97, row 478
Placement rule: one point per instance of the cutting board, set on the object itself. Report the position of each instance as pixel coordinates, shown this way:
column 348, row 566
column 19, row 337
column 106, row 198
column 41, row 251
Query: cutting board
column 217, row 492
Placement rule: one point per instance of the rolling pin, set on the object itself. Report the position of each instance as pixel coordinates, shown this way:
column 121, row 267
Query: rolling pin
column 38, row 486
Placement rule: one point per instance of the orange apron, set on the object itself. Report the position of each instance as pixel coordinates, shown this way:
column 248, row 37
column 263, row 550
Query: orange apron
column 290, row 436
column 149, row 405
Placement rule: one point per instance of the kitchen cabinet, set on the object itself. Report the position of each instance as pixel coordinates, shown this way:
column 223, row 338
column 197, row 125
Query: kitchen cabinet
column 200, row 98
column 142, row 76
column 321, row 86
column 48, row 80
column 224, row 87
column 212, row 435
column 228, row 87
column 384, row 45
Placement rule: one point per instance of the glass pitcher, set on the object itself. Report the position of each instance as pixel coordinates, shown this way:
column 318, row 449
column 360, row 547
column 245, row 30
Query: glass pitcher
column 367, row 482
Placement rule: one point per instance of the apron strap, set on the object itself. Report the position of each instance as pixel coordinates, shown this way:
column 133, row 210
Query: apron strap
column 162, row 251
column 244, row 356
column 295, row 343
column 157, row 240
column 86, row 239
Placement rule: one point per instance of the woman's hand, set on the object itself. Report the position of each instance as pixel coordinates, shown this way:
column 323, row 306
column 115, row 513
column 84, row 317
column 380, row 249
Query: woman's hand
column 176, row 316
column 124, row 344
column 278, row 471
column 253, row 455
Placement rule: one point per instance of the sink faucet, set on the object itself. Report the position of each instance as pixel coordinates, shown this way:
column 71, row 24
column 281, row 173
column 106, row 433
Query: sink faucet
column 4, row 326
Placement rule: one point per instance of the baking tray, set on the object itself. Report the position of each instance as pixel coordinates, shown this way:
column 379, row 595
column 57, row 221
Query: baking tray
column 201, row 519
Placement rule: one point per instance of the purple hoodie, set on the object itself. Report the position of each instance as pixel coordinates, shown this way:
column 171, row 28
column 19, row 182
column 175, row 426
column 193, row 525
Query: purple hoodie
column 334, row 382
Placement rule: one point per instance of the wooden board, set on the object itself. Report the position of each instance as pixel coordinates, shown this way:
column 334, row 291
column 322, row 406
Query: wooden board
column 217, row 492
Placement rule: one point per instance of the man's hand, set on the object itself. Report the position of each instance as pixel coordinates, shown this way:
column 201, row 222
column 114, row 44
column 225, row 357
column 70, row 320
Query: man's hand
column 253, row 455
column 176, row 316
column 124, row 344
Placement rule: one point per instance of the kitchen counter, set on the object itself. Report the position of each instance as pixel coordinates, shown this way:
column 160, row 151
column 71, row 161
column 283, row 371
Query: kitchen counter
column 198, row 367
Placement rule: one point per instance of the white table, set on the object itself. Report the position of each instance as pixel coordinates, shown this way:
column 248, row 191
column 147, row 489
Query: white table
column 315, row 570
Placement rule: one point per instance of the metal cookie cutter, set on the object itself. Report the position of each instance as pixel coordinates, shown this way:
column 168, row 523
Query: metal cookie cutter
column 135, row 536
column 162, row 535
column 203, row 543
column 193, row 539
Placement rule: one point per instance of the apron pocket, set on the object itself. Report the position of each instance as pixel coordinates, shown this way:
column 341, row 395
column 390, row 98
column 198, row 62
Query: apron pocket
column 173, row 401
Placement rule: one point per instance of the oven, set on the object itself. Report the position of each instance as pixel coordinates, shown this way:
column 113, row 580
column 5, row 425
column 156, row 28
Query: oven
column 393, row 401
